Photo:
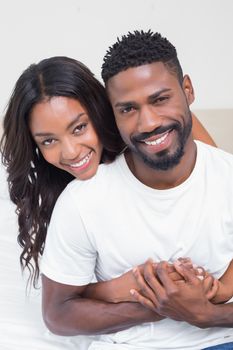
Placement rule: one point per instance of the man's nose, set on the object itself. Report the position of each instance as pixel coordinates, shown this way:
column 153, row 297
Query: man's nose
column 148, row 119
column 70, row 149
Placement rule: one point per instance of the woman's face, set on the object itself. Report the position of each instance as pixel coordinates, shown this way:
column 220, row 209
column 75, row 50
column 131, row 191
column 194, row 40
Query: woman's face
column 65, row 136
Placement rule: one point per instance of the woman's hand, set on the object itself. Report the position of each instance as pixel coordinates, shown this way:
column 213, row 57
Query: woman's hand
column 121, row 289
column 147, row 274
column 210, row 284
column 183, row 300
column 222, row 295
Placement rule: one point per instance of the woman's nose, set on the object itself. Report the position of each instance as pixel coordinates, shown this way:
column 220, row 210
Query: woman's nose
column 70, row 149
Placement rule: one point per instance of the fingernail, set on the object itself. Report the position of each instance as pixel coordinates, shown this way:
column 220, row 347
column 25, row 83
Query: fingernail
column 177, row 262
column 200, row 277
column 132, row 291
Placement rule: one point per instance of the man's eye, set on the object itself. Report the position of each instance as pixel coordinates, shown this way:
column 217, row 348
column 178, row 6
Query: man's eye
column 80, row 128
column 127, row 109
column 48, row 142
column 160, row 99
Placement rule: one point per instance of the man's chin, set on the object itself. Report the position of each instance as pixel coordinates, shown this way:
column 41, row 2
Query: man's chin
column 163, row 160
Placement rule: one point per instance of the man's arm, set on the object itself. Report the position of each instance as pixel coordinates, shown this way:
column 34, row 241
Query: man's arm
column 65, row 312
column 186, row 301
column 70, row 310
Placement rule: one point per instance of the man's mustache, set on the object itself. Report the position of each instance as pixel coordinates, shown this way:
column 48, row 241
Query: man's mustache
column 160, row 130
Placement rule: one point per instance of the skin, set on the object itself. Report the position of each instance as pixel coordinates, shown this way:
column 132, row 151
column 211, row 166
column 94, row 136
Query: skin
column 66, row 312
column 141, row 106
column 67, row 309
column 119, row 289
column 165, row 296
column 182, row 302
column 225, row 286
column 65, row 136
column 217, row 291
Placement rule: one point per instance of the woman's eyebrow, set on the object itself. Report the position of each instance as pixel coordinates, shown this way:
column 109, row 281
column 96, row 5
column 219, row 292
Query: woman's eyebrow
column 74, row 121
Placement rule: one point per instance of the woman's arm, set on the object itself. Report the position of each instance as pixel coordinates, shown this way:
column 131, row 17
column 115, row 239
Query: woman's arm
column 200, row 133
column 225, row 287
column 113, row 291
column 118, row 289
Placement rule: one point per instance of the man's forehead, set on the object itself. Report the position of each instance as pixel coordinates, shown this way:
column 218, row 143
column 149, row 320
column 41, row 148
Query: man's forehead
column 149, row 78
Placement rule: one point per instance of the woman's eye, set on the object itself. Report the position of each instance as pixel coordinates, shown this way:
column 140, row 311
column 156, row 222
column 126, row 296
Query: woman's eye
column 79, row 128
column 48, row 142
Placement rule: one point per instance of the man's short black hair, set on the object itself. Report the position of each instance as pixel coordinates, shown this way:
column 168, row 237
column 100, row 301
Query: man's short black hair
column 139, row 48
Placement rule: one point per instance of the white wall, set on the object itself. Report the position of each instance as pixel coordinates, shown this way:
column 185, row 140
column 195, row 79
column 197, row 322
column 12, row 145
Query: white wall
column 202, row 31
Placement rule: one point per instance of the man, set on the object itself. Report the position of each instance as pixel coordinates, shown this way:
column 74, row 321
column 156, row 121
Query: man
column 163, row 198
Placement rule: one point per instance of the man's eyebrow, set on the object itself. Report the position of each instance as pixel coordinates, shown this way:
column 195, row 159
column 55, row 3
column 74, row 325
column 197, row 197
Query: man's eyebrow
column 74, row 121
column 158, row 93
column 151, row 97
column 124, row 104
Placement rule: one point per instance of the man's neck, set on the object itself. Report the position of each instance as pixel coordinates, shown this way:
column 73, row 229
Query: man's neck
column 164, row 179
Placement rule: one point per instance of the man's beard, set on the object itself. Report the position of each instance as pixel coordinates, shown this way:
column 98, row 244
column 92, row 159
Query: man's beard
column 163, row 160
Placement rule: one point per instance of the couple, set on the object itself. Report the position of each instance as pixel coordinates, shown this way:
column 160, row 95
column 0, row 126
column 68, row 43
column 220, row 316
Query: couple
column 163, row 198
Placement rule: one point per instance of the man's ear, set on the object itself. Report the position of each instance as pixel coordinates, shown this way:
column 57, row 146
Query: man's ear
column 188, row 89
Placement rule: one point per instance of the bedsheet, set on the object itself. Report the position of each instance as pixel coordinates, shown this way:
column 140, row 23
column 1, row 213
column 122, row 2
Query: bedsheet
column 21, row 324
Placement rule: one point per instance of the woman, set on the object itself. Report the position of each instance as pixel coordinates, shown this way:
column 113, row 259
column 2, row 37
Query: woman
column 56, row 117
column 30, row 175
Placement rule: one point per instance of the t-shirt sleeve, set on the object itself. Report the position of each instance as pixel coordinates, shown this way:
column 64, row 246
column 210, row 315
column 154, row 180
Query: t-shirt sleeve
column 69, row 257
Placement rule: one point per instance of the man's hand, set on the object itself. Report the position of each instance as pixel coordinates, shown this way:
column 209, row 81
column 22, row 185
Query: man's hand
column 183, row 300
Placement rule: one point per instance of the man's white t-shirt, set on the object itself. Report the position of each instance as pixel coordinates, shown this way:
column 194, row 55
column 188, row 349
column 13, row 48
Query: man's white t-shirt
column 113, row 222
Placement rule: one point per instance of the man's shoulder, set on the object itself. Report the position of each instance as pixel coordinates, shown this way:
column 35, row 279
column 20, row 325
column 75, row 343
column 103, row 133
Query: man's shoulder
column 218, row 164
column 215, row 154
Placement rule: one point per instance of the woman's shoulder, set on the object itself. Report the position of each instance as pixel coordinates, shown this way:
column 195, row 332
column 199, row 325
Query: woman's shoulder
column 98, row 184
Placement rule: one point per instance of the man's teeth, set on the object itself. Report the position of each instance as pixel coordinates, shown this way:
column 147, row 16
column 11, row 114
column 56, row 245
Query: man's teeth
column 156, row 142
column 82, row 162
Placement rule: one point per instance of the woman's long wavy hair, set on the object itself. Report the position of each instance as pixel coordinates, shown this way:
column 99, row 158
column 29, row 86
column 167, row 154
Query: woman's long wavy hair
column 34, row 184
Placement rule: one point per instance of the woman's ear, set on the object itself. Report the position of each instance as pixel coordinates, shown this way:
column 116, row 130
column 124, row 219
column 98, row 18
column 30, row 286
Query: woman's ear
column 188, row 89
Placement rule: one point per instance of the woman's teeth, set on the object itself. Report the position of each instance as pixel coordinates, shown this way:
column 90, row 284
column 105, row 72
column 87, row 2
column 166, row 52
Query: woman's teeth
column 82, row 162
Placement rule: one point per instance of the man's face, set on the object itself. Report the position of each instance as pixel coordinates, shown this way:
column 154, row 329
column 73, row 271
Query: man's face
column 152, row 113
